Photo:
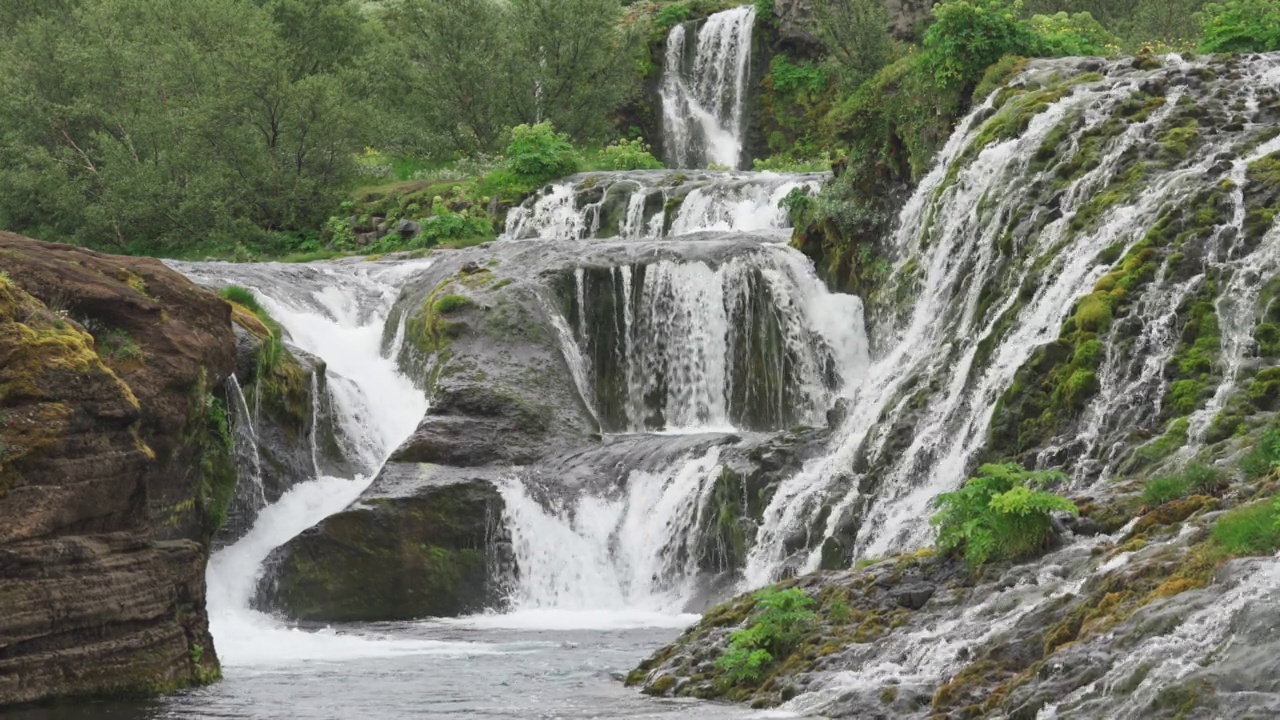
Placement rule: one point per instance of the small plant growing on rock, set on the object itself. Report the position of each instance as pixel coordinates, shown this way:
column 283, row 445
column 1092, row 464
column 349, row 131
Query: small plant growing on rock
column 1250, row 530
column 782, row 618
column 1002, row 514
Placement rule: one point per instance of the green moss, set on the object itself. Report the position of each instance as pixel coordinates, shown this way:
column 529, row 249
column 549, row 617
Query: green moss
column 446, row 304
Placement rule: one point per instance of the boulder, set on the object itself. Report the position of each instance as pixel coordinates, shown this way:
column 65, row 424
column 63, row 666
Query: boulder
column 420, row 543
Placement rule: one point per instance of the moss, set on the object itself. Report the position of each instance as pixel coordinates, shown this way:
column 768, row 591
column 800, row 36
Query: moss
column 208, row 437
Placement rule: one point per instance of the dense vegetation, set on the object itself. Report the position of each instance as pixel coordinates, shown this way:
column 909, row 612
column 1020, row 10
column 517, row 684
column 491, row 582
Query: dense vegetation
column 244, row 128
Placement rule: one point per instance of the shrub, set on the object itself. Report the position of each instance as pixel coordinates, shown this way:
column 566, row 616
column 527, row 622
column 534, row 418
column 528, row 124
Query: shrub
column 1264, row 456
column 629, row 155
column 968, row 36
column 1166, row 488
column 1239, row 26
column 1064, row 35
column 1000, row 514
column 672, row 15
column 782, row 618
column 1250, row 530
column 538, row 154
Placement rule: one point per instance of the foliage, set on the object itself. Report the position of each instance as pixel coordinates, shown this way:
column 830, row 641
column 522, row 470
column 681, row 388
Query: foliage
column 537, row 154
column 118, row 345
column 114, row 138
column 781, row 619
column 1000, row 514
column 671, row 15
column 1249, row 530
column 627, row 155
column 788, row 163
column 1265, row 455
column 476, row 67
column 241, row 296
column 1241, row 26
column 967, row 36
column 1063, row 35
column 856, row 35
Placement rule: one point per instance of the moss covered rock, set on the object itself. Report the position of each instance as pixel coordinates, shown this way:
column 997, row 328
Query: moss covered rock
column 114, row 471
column 431, row 552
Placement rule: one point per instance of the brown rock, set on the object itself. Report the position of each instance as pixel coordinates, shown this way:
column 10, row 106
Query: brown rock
column 108, row 368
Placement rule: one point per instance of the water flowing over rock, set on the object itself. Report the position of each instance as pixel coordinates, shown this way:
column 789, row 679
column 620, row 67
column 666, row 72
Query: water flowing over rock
column 704, row 90
column 1083, row 282
column 653, row 204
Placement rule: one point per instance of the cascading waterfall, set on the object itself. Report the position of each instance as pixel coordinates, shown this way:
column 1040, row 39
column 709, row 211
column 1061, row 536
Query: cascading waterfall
column 643, row 204
column 336, row 312
column 704, row 90
column 682, row 345
column 250, row 496
column 628, row 553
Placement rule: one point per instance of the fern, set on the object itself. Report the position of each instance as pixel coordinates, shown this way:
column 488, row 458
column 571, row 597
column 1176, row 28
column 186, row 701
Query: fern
column 1001, row 514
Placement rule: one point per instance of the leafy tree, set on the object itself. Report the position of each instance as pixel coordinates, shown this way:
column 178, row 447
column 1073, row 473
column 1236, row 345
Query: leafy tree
column 856, row 34
column 1241, row 26
column 1064, row 35
column 154, row 124
column 967, row 36
column 567, row 64
column 999, row 515
column 1168, row 21
column 455, row 51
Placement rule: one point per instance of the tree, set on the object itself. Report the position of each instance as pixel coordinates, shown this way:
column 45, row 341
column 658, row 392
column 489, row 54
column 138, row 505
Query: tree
column 458, row 50
column 968, row 36
column 1241, row 26
column 158, row 124
column 856, row 34
column 569, row 64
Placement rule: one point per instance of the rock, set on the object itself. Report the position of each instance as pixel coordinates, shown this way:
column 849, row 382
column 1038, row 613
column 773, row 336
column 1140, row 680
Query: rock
column 110, row 474
column 408, row 228
column 397, row 554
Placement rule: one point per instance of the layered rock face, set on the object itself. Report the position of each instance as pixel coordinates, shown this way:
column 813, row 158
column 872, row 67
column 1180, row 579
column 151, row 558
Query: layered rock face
column 114, row 472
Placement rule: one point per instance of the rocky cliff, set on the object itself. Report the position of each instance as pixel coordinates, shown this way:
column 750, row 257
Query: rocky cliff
column 115, row 471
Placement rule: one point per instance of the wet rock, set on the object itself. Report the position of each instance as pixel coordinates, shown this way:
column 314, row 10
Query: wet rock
column 103, row 529
column 419, row 543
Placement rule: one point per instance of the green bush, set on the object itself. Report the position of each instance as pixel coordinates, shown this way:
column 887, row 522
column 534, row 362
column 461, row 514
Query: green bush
column 781, row 618
column 1250, row 530
column 538, row 154
column 1000, row 515
column 671, row 15
column 968, row 36
column 1063, row 35
column 628, row 155
column 1239, row 26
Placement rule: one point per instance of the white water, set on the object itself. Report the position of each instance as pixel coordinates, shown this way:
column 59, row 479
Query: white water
column 337, row 313
column 753, row 342
column 636, row 205
column 704, row 92
column 604, row 560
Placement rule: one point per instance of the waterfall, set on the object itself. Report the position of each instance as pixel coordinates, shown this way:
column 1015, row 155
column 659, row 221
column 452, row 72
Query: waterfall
column 994, row 249
column 337, row 312
column 250, row 496
column 630, row 552
column 637, row 205
column 683, row 345
column 704, row 90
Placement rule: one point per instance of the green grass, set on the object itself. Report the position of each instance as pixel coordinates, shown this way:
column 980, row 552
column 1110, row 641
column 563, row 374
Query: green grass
column 1249, row 530
column 1196, row 478
column 241, row 296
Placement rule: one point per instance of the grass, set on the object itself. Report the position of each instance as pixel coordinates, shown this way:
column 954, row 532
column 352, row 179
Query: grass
column 1249, row 530
column 119, row 346
column 1196, row 478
